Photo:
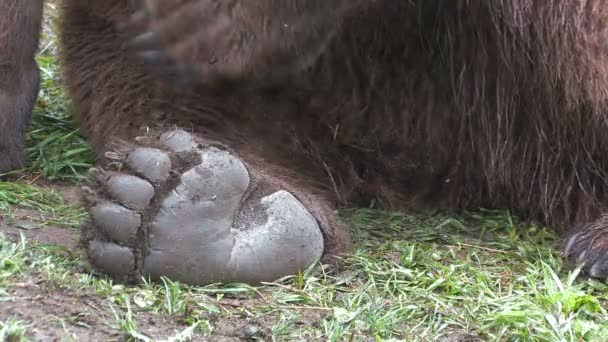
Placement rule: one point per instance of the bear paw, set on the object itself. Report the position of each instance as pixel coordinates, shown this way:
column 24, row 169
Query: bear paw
column 589, row 247
column 186, row 211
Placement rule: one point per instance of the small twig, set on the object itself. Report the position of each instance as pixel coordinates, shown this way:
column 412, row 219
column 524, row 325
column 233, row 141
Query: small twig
column 93, row 306
column 333, row 181
column 480, row 247
column 318, row 308
column 259, row 294
column 32, row 181
column 290, row 288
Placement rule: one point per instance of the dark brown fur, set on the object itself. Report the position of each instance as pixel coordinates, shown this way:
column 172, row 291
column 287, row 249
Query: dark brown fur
column 19, row 78
column 443, row 104
column 211, row 41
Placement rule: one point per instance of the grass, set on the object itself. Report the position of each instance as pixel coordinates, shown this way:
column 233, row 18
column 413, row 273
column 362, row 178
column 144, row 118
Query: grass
column 49, row 205
column 12, row 330
column 56, row 149
column 479, row 276
column 435, row 276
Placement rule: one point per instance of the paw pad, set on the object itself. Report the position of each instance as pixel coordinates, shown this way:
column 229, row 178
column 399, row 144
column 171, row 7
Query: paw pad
column 150, row 163
column 199, row 226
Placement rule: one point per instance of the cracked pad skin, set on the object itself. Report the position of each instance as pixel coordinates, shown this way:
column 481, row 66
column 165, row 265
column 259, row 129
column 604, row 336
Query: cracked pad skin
column 204, row 229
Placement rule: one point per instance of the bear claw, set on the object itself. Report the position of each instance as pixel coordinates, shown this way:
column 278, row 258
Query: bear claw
column 201, row 229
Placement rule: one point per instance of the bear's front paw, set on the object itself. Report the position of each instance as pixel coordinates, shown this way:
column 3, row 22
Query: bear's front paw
column 588, row 246
column 181, row 209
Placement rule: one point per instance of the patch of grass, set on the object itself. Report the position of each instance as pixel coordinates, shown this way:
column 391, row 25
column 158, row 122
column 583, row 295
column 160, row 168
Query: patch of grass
column 127, row 324
column 55, row 147
column 12, row 264
column 49, row 206
column 12, row 330
column 19, row 260
column 483, row 276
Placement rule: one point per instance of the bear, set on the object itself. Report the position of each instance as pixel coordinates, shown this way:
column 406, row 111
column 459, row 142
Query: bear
column 19, row 77
column 228, row 132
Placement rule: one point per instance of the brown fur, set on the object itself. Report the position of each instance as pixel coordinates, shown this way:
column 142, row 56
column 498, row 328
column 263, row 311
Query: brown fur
column 19, row 78
column 211, row 41
column 449, row 104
